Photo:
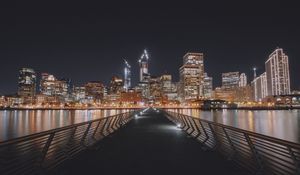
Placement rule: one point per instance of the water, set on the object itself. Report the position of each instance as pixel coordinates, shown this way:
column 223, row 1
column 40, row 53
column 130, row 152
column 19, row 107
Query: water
column 283, row 124
column 17, row 123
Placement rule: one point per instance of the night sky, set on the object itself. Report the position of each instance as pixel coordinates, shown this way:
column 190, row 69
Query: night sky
column 88, row 41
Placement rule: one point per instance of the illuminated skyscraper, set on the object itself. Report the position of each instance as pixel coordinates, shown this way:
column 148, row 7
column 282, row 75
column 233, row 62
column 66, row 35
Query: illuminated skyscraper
column 51, row 86
column 208, row 86
column 79, row 93
column 116, row 85
column 143, row 61
column 168, row 88
column 230, row 80
column 94, row 90
column 127, row 76
column 27, row 82
column 243, row 80
column 191, row 76
column 259, row 86
column 278, row 73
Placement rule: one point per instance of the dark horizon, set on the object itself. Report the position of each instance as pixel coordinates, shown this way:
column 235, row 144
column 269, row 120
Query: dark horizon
column 86, row 42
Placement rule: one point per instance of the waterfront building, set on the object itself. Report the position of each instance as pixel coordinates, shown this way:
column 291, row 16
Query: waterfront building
column 168, row 88
column 155, row 89
column 127, row 76
column 79, row 93
column 278, row 74
column 116, row 85
column 230, row 80
column 259, row 86
column 207, row 86
column 47, row 84
column 243, row 80
column 27, row 82
column 51, row 86
column 243, row 94
column 94, row 91
column 224, row 94
column 191, row 77
column 131, row 97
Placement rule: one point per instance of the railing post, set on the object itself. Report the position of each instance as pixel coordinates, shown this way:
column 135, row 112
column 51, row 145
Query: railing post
column 68, row 142
column 103, row 127
column 108, row 126
column 255, row 154
column 96, row 128
column 230, row 143
column 296, row 162
column 85, row 134
column 214, row 135
column 198, row 130
column 46, row 148
column 205, row 133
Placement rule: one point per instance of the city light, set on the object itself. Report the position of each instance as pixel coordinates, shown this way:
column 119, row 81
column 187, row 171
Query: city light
column 194, row 89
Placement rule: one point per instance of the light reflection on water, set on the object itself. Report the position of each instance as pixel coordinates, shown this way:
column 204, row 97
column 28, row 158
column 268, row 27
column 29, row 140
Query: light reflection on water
column 283, row 124
column 17, row 123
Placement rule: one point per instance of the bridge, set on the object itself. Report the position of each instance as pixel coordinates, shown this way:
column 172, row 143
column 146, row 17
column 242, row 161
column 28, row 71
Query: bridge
column 148, row 141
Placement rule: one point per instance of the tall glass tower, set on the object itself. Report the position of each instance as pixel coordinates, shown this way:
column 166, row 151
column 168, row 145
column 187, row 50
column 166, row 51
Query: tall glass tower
column 27, row 82
column 127, row 76
column 143, row 61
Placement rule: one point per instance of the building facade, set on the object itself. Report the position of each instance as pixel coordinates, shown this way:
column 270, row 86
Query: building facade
column 208, row 86
column 143, row 63
column 51, row 86
column 259, row 87
column 94, row 90
column 230, row 80
column 192, row 76
column 243, row 80
column 27, row 82
column 278, row 74
column 127, row 76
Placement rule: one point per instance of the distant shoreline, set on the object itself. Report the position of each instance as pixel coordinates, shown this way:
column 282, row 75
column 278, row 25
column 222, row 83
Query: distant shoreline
column 135, row 108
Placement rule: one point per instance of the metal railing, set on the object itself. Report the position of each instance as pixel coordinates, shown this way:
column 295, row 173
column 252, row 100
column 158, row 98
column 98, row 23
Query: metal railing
column 256, row 153
column 38, row 153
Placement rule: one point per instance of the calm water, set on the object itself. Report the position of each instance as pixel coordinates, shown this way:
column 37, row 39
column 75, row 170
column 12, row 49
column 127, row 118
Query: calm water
column 283, row 124
column 18, row 123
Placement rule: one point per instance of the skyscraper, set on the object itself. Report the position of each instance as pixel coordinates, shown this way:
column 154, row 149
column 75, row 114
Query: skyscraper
column 127, row 76
column 277, row 72
column 143, row 61
column 27, row 82
column 230, row 80
column 51, row 86
column 208, row 86
column 243, row 80
column 116, row 85
column 94, row 90
column 192, row 76
column 259, row 86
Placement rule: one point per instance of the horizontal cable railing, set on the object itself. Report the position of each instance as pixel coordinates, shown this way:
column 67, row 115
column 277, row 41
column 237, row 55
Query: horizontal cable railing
column 38, row 153
column 256, row 153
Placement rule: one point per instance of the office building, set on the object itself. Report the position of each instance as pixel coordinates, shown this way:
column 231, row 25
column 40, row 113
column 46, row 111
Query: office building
column 230, row 80
column 27, row 82
column 144, row 63
column 192, row 77
column 207, row 86
column 278, row 74
column 94, row 90
column 243, row 80
column 127, row 76
column 259, row 87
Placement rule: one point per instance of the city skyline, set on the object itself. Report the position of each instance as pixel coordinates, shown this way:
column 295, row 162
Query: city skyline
column 95, row 40
column 250, row 77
